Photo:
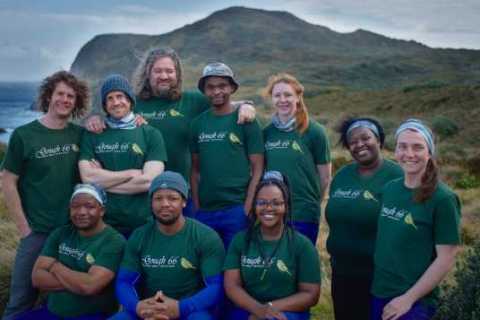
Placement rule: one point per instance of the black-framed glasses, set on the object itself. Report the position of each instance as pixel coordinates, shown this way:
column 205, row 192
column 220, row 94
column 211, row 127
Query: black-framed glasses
column 273, row 203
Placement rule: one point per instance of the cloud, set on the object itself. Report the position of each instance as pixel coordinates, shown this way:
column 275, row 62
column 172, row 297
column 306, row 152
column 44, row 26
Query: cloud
column 54, row 31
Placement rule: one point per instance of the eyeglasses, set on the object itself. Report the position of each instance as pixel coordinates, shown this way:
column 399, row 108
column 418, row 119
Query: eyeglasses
column 273, row 203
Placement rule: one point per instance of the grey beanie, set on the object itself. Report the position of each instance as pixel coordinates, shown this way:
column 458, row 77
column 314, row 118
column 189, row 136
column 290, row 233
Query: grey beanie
column 169, row 180
column 116, row 82
column 217, row 69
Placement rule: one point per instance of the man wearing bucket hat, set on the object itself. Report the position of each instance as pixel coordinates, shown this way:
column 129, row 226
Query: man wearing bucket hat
column 227, row 158
column 179, row 260
column 123, row 159
column 78, row 262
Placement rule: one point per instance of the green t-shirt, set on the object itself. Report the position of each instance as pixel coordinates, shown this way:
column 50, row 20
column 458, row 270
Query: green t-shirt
column 176, row 264
column 121, row 149
column 352, row 215
column 223, row 148
column 407, row 235
column 294, row 260
column 297, row 155
column 45, row 160
column 173, row 119
column 79, row 253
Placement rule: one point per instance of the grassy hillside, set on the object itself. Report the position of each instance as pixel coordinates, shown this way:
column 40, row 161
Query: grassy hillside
column 453, row 111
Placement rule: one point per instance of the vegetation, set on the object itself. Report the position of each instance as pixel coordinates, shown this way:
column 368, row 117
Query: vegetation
column 358, row 73
column 462, row 298
column 459, row 155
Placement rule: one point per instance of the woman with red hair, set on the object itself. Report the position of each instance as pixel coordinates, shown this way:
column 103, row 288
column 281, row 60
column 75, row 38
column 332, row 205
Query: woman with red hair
column 298, row 147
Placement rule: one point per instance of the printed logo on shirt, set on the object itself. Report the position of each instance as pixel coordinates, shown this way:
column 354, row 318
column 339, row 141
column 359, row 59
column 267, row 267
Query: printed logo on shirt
column 283, row 267
column 71, row 252
column 112, row 148
column 394, row 213
column 367, row 195
column 234, row 139
column 296, row 146
column 254, row 262
column 136, row 149
column 53, row 151
column 159, row 262
column 90, row 259
column 156, row 115
column 409, row 220
column 212, row 136
column 186, row 264
column 277, row 144
column 346, row 194
column 174, row 113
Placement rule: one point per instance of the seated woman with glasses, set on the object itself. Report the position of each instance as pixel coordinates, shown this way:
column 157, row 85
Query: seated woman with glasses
column 271, row 270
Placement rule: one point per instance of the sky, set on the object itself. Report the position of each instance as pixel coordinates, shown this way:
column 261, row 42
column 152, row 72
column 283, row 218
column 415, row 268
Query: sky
column 38, row 38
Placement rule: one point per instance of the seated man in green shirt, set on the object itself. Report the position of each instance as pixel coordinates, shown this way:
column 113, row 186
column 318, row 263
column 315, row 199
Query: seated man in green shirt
column 178, row 261
column 227, row 158
column 123, row 159
column 79, row 262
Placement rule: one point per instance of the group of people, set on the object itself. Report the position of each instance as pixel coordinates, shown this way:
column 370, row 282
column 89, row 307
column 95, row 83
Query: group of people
column 188, row 209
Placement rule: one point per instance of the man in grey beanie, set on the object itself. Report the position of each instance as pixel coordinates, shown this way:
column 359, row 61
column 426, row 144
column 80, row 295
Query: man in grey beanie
column 123, row 159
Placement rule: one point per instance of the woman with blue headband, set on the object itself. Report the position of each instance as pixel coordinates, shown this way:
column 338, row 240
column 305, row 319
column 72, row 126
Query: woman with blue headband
column 418, row 231
column 352, row 214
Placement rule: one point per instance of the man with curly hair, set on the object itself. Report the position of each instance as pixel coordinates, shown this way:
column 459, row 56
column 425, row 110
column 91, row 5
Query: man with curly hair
column 42, row 156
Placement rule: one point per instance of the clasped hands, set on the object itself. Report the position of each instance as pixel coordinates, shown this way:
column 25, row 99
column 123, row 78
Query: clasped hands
column 158, row 307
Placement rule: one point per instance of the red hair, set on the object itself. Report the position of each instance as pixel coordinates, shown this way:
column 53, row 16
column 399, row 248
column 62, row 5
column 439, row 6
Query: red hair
column 301, row 116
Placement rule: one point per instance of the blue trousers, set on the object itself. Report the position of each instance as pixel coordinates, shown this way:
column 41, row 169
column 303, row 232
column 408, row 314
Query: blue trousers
column 418, row 311
column 199, row 315
column 226, row 222
column 43, row 314
column 308, row 229
column 242, row 314
column 189, row 210
column 22, row 294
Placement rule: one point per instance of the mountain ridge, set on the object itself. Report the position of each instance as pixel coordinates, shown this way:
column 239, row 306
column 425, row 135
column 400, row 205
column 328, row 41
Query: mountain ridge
column 257, row 43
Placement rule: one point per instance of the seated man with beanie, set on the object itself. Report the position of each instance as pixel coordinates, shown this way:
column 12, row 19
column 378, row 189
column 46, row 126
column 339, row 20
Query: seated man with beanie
column 176, row 260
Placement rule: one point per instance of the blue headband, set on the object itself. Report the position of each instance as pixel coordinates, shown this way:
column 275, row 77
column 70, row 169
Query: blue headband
column 273, row 175
column 418, row 126
column 364, row 124
column 91, row 189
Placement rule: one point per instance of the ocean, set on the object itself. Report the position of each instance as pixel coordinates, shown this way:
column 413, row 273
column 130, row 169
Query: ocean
column 14, row 114
column 16, row 99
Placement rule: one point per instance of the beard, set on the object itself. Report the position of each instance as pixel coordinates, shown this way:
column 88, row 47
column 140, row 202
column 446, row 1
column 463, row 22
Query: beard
column 167, row 222
column 171, row 93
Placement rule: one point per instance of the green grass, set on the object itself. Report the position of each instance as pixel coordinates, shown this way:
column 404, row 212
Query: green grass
column 459, row 153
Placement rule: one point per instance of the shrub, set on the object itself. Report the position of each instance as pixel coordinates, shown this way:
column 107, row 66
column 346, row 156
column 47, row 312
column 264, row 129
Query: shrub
column 338, row 162
column 461, row 301
column 444, row 126
column 468, row 181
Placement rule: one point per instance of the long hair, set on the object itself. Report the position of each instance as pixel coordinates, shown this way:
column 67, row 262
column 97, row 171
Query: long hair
column 429, row 182
column 48, row 85
column 301, row 116
column 284, row 188
column 141, row 76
